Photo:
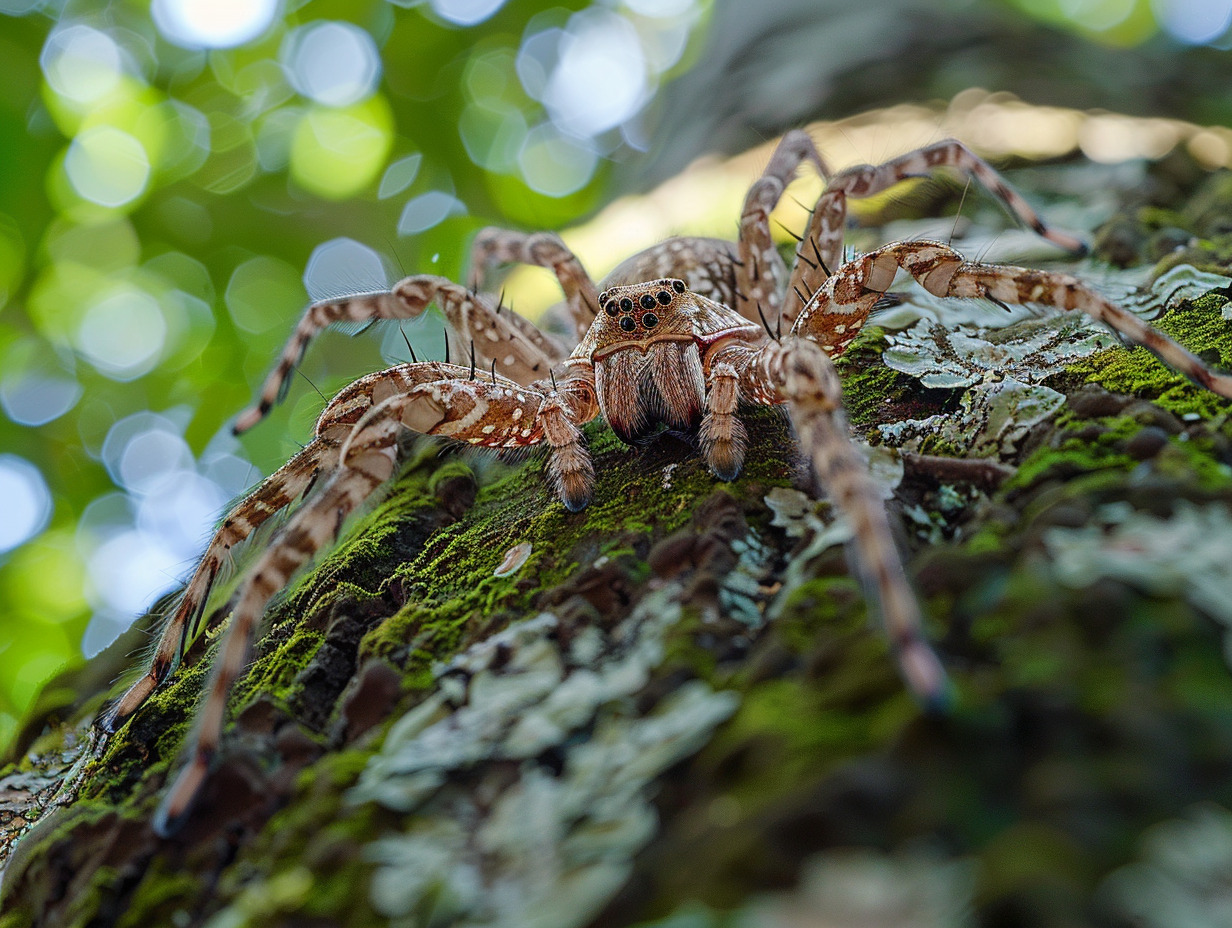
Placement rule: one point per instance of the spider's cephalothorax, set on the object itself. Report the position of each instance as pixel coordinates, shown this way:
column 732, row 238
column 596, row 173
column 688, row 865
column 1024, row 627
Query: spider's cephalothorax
column 680, row 336
column 647, row 348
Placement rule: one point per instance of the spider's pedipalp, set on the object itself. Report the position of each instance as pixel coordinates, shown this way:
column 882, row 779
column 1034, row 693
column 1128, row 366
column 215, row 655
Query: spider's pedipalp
column 722, row 434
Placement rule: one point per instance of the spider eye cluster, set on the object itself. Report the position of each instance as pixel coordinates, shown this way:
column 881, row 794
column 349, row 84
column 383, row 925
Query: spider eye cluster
column 639, row 309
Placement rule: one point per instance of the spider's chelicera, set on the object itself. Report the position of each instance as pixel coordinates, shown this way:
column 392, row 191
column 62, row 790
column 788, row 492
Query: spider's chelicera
column 682, row 334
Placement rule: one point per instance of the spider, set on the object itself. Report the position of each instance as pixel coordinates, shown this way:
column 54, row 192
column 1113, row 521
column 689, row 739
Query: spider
column 679, row 335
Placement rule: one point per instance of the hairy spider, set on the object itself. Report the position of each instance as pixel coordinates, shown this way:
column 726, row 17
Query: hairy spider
column 680, row 335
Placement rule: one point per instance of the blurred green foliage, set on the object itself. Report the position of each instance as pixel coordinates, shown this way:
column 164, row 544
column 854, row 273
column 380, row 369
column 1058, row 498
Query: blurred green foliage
column 160, row 209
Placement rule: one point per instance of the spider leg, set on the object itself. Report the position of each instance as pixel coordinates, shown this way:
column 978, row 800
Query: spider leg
column 272, row 495
column 822, row 246
column 796, row 372
column 368, row 464
column 760, row 272
column 494, row 246
column 518, row 348
column 818, row 254
column 867, row 180
column 941, row 270
column 432, row 398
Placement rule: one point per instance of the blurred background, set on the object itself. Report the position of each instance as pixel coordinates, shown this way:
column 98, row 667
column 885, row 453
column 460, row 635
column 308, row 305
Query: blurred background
column 179, row 178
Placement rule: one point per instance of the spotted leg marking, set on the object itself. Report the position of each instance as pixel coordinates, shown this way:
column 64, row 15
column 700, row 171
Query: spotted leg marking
column 494, row 246
column 519, row 350
column 796, row 372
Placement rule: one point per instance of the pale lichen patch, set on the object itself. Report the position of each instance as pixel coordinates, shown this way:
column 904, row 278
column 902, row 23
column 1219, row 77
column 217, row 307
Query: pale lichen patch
column 1004, row 371
column 1181, row 877
column 551, row 840
column 1188, row 554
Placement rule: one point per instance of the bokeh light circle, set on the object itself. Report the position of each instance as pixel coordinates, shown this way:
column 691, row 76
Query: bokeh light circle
column 343, row 266
column 107, row 166
column 123, row 334
column 1195, row 22
column 553, row 164
column 27, row 501
column 81, row 63
column 333, row 63
column 466, row 12
column 600, row 77
column 427, row 210
column 213, row 23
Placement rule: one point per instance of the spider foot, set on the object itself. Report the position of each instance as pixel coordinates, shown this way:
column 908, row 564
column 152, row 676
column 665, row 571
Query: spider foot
column 723, row 442
column 925, row 676
column 174, row 810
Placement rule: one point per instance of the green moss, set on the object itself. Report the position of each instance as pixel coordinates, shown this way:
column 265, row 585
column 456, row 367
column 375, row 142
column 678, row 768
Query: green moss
column 163, row 891
column 450, row 588
column 1093, row 452
column 1197, row 325
column 875, row 394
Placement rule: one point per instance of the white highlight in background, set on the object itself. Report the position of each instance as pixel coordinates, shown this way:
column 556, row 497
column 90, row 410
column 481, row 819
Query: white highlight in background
column 213, row 23
column 27, row 501
column 1195, row 22
column 335, row 64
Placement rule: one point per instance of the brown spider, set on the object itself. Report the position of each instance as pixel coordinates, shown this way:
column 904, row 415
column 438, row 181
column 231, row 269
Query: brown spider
column 680, row 336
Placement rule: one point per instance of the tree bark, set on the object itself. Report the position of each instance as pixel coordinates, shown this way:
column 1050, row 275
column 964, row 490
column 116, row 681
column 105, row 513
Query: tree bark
column 678, row 708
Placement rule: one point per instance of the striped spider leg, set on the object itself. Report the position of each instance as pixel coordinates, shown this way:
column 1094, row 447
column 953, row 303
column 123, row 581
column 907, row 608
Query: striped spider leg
column 431, row 398
column 846, row 298
column 494, row 246
column 821, row 247
column 520, row 350
column 270, row 497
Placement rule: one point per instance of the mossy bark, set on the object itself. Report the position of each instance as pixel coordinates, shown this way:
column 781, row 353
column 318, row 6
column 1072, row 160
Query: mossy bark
column 710, row 629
